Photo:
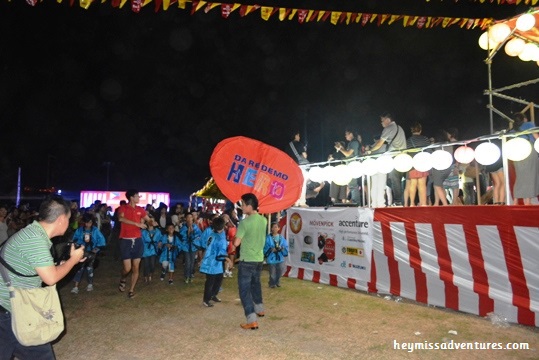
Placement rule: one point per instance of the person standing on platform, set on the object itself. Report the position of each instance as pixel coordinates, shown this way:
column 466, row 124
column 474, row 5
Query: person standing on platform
column 251, row 235
column 349, row 152
column 298, row 151
column 132, row 219
column 393, row 138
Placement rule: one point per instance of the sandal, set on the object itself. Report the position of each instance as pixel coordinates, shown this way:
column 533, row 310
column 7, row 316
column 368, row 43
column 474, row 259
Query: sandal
column 121, row 286
column 131, row 294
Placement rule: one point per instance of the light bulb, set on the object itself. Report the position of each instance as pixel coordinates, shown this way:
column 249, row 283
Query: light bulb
column 525, row 22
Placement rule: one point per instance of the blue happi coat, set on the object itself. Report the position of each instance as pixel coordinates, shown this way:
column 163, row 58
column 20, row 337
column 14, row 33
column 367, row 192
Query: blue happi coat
column 275, row 242
column 151, row 239
column 216, row 253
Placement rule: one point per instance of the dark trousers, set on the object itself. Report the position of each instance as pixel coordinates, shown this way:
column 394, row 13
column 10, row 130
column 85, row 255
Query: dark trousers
column 394, row 180
column 212, row 286
column 10, row 346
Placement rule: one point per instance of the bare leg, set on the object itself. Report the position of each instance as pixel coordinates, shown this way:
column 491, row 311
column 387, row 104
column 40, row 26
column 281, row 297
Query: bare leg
column 422, row 189
column 412, row 190
column 135, row 273
column 439, row 193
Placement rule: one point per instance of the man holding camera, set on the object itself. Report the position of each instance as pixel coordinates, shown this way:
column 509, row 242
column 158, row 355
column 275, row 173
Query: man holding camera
column 28, row 252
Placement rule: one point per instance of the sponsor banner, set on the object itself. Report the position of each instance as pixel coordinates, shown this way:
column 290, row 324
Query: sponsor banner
column 113, row 198
column 336, row 241
column 462, row 258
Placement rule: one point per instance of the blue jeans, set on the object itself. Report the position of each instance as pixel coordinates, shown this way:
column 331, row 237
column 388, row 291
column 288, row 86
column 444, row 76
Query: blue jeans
column 9, row 345
column 89, row 274
column 189, row 266
column 250, row 289
column 275, row 273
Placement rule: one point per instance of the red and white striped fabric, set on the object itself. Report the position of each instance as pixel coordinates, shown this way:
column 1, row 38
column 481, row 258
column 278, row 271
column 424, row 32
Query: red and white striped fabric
column 475, row 259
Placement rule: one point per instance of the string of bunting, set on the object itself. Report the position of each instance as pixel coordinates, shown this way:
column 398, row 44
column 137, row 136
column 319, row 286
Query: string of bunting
column 306, row 15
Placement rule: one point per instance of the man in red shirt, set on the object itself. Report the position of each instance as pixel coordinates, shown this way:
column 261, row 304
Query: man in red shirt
column 132, row 219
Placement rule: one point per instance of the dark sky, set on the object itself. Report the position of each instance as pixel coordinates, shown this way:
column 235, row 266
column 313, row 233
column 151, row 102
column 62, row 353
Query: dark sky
column 153, row 93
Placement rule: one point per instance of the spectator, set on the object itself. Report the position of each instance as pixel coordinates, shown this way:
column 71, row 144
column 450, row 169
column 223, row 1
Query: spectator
column 92, row 239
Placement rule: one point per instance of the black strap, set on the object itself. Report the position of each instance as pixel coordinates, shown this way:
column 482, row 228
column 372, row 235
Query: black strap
column 7, row 266
column 389, row 144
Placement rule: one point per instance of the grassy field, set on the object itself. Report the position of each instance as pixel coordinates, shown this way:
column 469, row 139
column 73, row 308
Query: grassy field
column 304, row 320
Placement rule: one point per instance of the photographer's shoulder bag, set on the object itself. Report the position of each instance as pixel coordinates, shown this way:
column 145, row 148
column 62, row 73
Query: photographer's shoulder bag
column 36, row 313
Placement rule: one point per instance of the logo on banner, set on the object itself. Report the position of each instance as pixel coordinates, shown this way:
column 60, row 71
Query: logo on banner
column 353, row 251
column 307, row 256
column 295, row 223
column 328, row 254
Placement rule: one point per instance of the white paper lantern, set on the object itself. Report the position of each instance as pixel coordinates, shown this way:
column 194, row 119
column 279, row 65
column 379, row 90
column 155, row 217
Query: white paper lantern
column 384, row 164
column 528, row 52
column 441, row 159
column 316, row 174
column 369, row 167
column 341, row 175
column 518, row 149
column 329, row 173
column 525, row 22
column 464, row 154
column 514, row 46
column 355, row 168
column 487, row 153
column 499, row 32
column 536, row 143
column 403, row 162
column 486, row 42
column 422, row 161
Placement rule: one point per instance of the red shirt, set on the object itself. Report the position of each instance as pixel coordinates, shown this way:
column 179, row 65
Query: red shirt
column 136, row 214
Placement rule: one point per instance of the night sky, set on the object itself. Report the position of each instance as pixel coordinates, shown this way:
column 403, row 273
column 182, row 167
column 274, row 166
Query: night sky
column 153, row 93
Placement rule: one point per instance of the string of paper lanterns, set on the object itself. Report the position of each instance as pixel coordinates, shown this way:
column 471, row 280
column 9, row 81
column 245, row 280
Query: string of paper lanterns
column 515, row 44
column 486, row 153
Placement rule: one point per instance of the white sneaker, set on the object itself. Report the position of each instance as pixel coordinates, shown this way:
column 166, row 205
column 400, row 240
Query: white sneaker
column 229, row 274
column 75, row 290
column 90, row 287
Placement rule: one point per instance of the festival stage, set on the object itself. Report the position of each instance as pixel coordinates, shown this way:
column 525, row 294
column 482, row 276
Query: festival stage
column 475, row 259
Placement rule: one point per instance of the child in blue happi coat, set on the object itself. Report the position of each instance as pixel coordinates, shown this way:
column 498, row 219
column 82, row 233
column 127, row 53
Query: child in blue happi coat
column 151, row 238
column 169, row 252
column 92, row 239
column 212, row 263
column 275, row 250
column 189, row 236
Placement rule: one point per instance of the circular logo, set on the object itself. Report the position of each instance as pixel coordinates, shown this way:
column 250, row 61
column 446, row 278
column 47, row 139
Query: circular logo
column 295, row 223
column 308, row 240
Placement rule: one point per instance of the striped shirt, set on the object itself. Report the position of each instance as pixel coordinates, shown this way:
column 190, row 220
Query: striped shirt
column 26, row 250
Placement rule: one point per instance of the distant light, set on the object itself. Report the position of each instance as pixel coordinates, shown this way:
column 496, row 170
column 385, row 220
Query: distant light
column 341, row 175
column 514, row 46
column 422, row 161
column 403, row 162
column 525, row 22
column 59, row 192
column 487, row 153
column 369, row 167
column 464, row 154
column 384, row 164
column 499, row 32
column 518, row 149
column 441, row 159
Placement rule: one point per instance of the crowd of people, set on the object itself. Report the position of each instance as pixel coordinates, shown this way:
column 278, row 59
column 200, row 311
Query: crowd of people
column 459, row 184
column 216, row 242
